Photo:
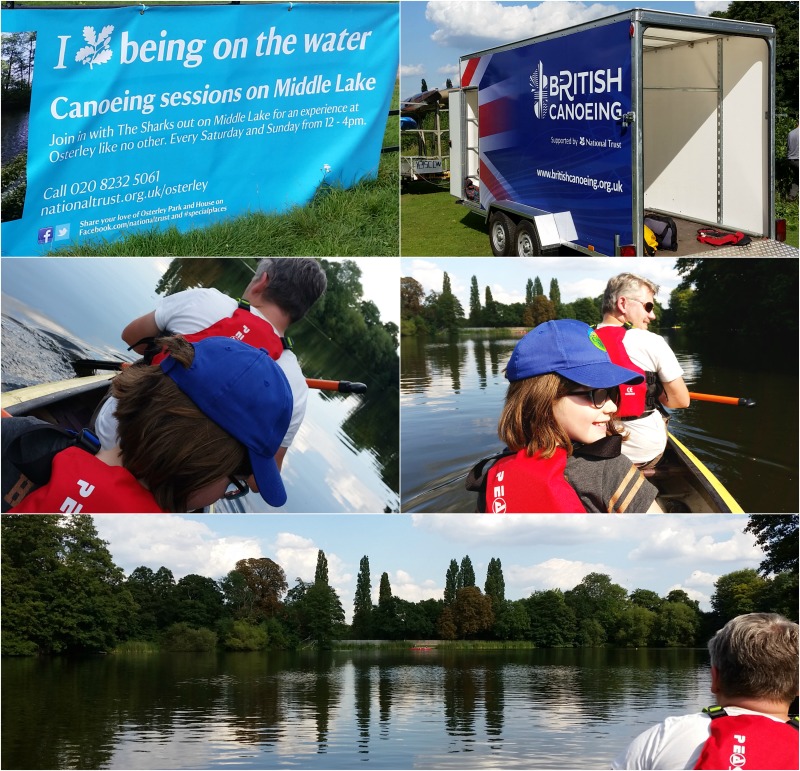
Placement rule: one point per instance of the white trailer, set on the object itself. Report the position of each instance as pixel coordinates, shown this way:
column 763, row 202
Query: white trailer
column 568, row 139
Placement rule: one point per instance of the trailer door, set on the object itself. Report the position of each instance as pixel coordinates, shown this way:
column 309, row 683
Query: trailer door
column 456, row 144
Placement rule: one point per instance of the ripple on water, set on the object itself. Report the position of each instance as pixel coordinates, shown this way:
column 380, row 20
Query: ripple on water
column 31, row 357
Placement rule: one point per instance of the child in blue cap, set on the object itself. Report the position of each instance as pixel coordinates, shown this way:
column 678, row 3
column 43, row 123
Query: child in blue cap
column 563, row 444
column 192, row 430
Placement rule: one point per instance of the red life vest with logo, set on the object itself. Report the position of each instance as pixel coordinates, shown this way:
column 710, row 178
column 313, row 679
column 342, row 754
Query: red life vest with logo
column 749, row 743
column 521, row 484
column 633, row 398
column 80, row 483
column 242, row 325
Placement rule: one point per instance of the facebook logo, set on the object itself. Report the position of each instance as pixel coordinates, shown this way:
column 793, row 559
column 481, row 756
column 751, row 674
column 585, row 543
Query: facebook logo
column 45, row 235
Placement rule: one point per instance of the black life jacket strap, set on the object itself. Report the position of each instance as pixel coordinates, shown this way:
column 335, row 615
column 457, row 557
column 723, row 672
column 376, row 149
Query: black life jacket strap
column 477, row 477
column 716, row 711
column 286, row 341
column 28, row 452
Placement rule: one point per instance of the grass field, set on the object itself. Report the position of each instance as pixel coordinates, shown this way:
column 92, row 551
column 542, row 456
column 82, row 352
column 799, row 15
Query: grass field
column 433, row 225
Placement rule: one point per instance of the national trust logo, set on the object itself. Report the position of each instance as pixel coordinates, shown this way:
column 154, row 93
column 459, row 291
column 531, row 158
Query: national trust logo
column 98, row 50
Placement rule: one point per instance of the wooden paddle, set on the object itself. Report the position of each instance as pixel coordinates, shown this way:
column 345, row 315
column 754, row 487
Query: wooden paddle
column 735, row 400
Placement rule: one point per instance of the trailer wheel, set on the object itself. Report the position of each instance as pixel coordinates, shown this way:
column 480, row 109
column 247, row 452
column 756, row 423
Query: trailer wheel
column 501, row 234
column 527, row 240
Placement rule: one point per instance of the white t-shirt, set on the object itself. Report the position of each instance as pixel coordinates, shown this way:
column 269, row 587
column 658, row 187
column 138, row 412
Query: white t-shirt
column 192, row 311
column 674, row 744
column 650, row 352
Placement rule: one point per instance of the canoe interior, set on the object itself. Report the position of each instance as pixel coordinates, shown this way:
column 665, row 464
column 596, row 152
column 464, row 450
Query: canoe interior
column 72, row 408
column 682, row 487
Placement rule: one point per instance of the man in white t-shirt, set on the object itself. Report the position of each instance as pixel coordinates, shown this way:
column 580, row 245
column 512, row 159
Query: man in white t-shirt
column 628, row 302
column 753, row 672
column 281, row 292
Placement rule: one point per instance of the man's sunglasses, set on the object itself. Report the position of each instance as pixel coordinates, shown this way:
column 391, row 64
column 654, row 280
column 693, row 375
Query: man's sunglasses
column 648, row 307
column 236, row 489
column 599, row 396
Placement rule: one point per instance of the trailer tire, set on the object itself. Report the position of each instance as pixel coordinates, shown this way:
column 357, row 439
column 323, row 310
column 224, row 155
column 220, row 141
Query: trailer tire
column 527, row 240
column 501, row 234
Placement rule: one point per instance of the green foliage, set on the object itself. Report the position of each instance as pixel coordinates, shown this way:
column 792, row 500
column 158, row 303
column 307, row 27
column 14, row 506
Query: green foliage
column 729, row 308
column 14, row 184
column 62, row 591
column 466, row 573
column 181, row 637
column 511, row 620
column 451, row 583
column 634, row 626
column 736, row 593
column 362, row 603
column 495, row 586
column 472, row 612
column 676, row 625
column 777, row 535
column 243, row 636
column 553, row 622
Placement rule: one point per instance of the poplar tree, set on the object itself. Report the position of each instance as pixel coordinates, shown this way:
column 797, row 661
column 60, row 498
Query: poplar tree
column 555, row 293
column 529, row 292
column 466, row 573
column 474, row 303
column 321, row 573
column 362, row 604
column 537, row 287
column 451, row 583
column 495, row 586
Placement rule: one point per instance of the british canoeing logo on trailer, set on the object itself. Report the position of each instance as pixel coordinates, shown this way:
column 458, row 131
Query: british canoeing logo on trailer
column 563, row 88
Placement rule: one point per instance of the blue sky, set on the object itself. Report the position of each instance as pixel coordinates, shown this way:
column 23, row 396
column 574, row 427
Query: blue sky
column 536, row 551
column 507, row 278
column 435, row 34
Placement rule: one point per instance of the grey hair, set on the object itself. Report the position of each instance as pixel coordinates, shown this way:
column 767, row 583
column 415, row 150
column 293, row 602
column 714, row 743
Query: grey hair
column 295, row 283
column 623, row 285
column 755, row 655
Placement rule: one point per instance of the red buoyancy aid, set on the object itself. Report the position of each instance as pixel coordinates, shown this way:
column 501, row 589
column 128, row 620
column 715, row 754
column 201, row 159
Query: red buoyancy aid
column 521, row 484
column 80, row 483
column 242, row 325
column 633, row 398
column 749, row 742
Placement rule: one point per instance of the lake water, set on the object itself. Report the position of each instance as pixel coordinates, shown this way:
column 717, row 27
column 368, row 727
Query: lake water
column 343, row 459
column 452, row 392
column 13, row 134
column 542, row 709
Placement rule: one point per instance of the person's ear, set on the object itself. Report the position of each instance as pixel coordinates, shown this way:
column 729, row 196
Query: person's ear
column 714, row 680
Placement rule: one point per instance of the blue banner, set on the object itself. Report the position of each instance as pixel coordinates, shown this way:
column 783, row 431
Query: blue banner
column 182, row 116
column 552, row 133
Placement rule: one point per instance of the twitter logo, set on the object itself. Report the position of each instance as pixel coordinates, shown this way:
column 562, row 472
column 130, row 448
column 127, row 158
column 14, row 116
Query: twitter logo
column 61, row 233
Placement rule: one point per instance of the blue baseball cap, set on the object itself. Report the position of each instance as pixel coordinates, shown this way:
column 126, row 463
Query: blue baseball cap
column 571, row 349
column 244, row 392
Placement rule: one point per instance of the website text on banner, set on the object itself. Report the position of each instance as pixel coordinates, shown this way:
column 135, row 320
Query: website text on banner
column 187, row 115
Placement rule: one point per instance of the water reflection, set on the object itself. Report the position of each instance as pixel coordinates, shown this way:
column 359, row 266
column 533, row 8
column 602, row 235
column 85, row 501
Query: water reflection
column 453, row 391
column 13, row 134
column 395, row 710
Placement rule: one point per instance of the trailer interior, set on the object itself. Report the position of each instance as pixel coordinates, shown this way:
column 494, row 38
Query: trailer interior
column 705, row 132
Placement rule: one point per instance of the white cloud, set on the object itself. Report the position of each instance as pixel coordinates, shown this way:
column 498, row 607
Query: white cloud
column 184, row 546
column 407, row 588
column 554, row 573
column 298, row 558
column 706, row 7
column 483, row 24
column 407, row 70
column 674, row 541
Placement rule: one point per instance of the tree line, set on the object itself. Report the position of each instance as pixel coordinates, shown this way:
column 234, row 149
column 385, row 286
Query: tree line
column 720, row 307
column 63, row 593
